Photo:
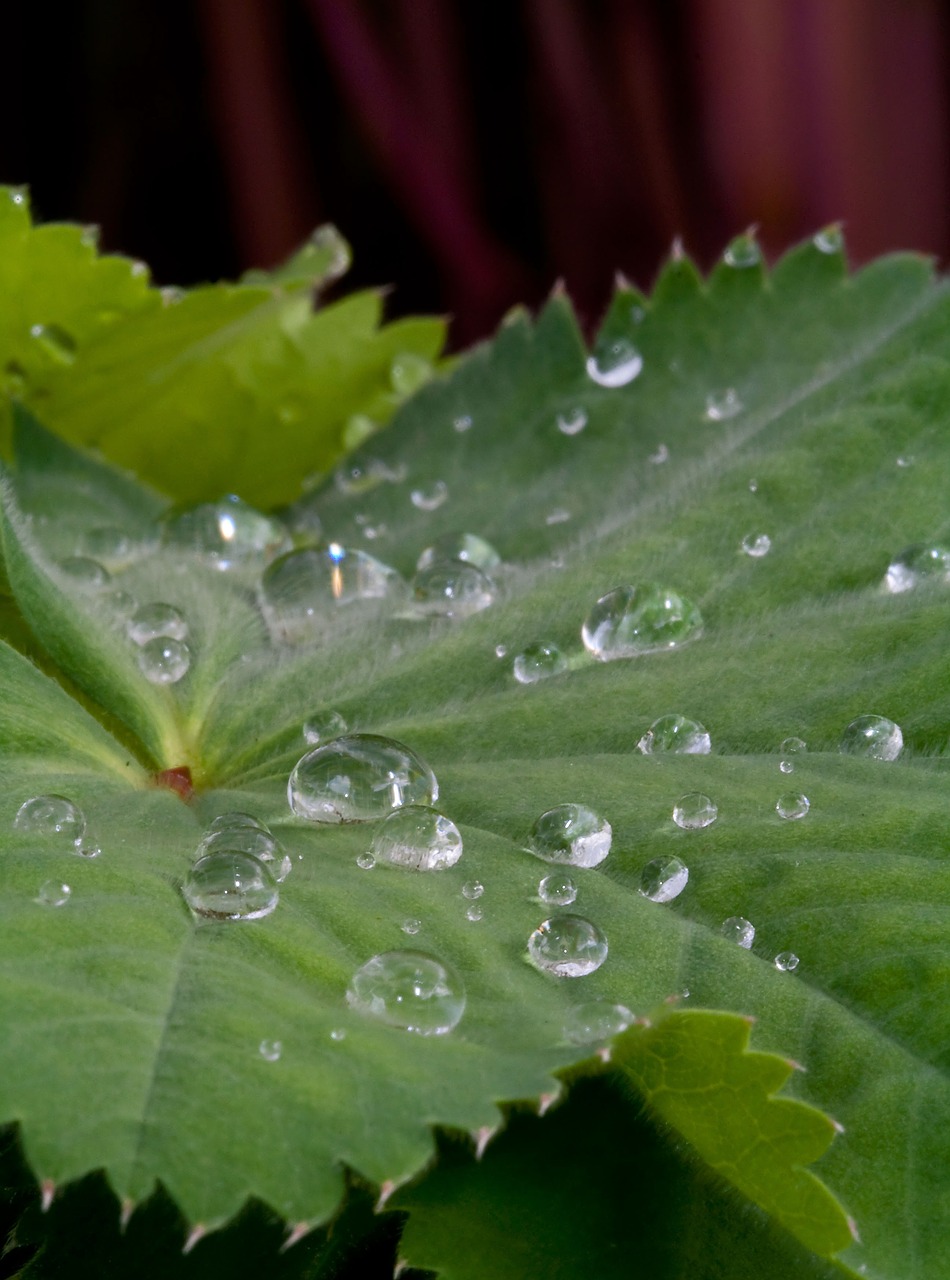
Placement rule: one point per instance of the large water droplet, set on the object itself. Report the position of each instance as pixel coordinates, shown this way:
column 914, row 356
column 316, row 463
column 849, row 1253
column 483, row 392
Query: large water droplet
column 722, row 405
column 468, row 547
column 85, row 572
column 614, row 363
column 224, row 534
column 164, row 661
column 419, row 837
column 664, row 879
column 301, row 590
column 873, row 736
column 154, row 621
column 53, row 893
column 790, row 748
column 756, row 545
column 51, row 816
column 557, row 890
column 230, row 885
column 358, row 778
column 572, row 834
column 537, row 662
column 631, row 621
column 595, row 1021
column 432, row 498
column 55, row 342
column 410, row 990
column 270, row 1050
column 920, row 565
column 792, row 806
column 694, row 811
column 572, row 421
column 738, row 930
column 450, row 589
column 323, row 726
column 676, row 735
column 408, row 372
column 238, row 836
column 743, row 251
column 786, row 961
column 568, row 946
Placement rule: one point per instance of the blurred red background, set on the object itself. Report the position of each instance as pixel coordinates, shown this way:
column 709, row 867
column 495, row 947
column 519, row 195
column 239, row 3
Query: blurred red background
column 474, row 154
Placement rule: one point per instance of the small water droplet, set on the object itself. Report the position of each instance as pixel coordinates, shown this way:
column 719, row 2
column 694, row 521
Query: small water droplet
column 432, row 498
column 792, row 747
column 743, row 251
column 594, row 1021
column 225, row 534
column 694, row 811
column 51, row 816
column 301, row 591
column 829, row 239
column 408, row 372
column 572, row 834
column 920, row 565
column 738, row 930
column 411, row 926
column 53, row 893
column 572, row 421
column 230, row 885
column 233, row 833
column 557, row 890
column 338, row 1034
column 323, row 727
column 462, row 423
column 676, row 735
column 538, row 662
column 786, row 961
column 474, row 913
column 55, row 342
column 614, row 363
column 472, row 889
column 753, row 486
column 171, row 295
column 906, row 460
column 558, row 516
column 875, row 737
column 156, row 621
column 17, row 196
column 660, row 455
column 722, row 405
column 418, row 837
column 568, row 946
column 164, row 661
column 792, row 806
column 410, row 990
column 85, row 572
column 756, row 545
column 501, row 650
column 450, row 589
column 270, row 1050
column 663, row 879
column 630, row 621
column 467, row 547
column 357, row 778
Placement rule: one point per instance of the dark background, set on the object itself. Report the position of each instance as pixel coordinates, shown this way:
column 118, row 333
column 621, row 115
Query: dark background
column 474, row 153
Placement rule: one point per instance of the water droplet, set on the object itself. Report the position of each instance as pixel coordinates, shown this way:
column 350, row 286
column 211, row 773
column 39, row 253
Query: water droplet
column 234, row 820
column 270, row 1050
column 51, row 816
column 572, row 421
column 359, row 476
column 631, row 621
column 230, row 885
column 661, row 455
column 472, row 889
column 431, row 498
column 572, row 834
column 85, row 572
column 568, row 946
column 537, row 662
column 694, row 811
column 557, row 890
column 559, row 516
column 410, row 990
column 738, row 930
column 17, row 196
column 156, row 621
column 55, row 342
column 239, row 836
column 450, row 589
column 164, row 661
column 109, row 544
column 663, row 879
column 408, row 372
column 224, row 534
column 786, row 961
column 467, row 547
column 756, row 545
column 722, row 405
column 917, row 566
column 792, row 806
column 53, row 893
column 676, row 735
column 906, row 460
column 473, row 914
column 829, row 239
column 501, row 650
column 614, row 363
column 462, row 423
column 323, row 727
column 418, row 837
column 873, row 736
column 365, row 861
column 793, row 747
column 753, row 486
column 301, row 591
column 411, row 926
column 594, row 1021
column 744, row 251
column 338, row 1034
column 358, row 778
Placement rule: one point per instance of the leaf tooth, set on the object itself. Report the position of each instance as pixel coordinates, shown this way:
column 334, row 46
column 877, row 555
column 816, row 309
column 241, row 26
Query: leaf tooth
column 677, row 249
column 385, row 1191
column 605, row 1053
column 547, row 1100
column 794, row 1065
column 400, row 1267
column 836, row 1125
column 853, row 1228
column 297, row 1232
column 47, row 1192
column 125, row 1213
column 481, row 1137
column 196, row 1233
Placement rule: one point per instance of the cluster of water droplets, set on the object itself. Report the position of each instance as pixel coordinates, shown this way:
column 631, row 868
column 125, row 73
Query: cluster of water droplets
column 56, row 824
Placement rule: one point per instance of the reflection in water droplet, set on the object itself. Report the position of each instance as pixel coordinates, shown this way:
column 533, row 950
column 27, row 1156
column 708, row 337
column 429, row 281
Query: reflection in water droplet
column 744, row 251
column 301, row 591
column 450, row 589
column 676, row 735
column 230, row 886
column 722, row 405
column 663, row 879
column 53, row 893
column 323, row 727
column 357, row 778
column 694, row 811
column 154, row 621
column 473, row 914
column 468, row 547
column 756, row 545
column 431, row 498
column 571, row 834
column 85, row 572
column 270, row 1050
column 557, row 890
column 365, row 861
column 472, row 889
column 829, row 239
column 660, row 455
column 164, row 661
column 410, row 990
column 51, row 816
column 572, row 421
column 614, row 363
column 873, row 736
column 418, row 837
column 55, row 342
column 568, row 946
column 631, row 621
column 738, row 930
column 411, row 926
column 594, row 1021
column 792, row 806
column 224, row 534
column 537, row 662
column 920, row 565
column 787, row 961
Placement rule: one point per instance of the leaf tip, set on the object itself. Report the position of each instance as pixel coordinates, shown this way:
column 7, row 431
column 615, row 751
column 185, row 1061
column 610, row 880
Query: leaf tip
column 794, row 1065
column 853, row 1228
column 481, row 1137
column 385, row 1193
column 547, row 1101
column 296, row 1232
column 125, row 1213
column 47, row 1193
column 402, row 1265
column 197, row 1232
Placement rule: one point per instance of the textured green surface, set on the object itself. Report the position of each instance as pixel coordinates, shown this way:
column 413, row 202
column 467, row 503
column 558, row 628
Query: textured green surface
column 142, row 1028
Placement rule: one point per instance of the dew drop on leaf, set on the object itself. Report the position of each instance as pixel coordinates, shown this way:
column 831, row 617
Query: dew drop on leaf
column 323, row 727
column 738, row 930
column 660, row 455
column 358, row 778
column 559, row 516
column 468, row 547
column 875, row 737
column 53, row 893
column 538, row 662
column 432, row 498
column 567, row 946
column 153, row 621
column 829, row 239
column 230, row 885
column 595, row 1021
column 675, row 735
column 722, row 405
column 461, row 423
column 572, row 834
column 270, row 1050
column 302, row 590
column 337, row 1034
column 410, row 990
column 501, row 650
column 756, row 545
column 743, row 252
column 474, row 913
column 790, row 748
column 224, row 534
column 472, row 889
column 663, row 879
column 365, row 861
column 450, row 589
column 786, row 961
column 110, row 545
column 238, row 836
column 53, row 816
column 614, row 363
column 694, row 811
column 631, row 621
column 85, row 572
column 411, row 926
column 917, row 566
column 792, row 806
column 557, row 890
column 572, row 421
column 164, row 661
column 418, row 837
